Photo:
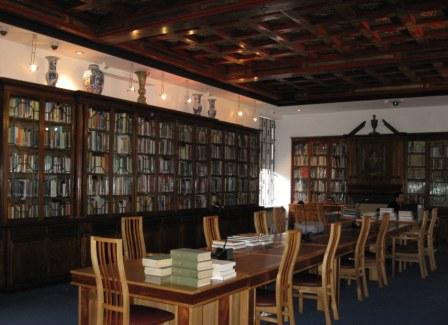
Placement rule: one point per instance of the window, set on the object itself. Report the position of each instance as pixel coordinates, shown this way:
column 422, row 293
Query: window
column 267, row 153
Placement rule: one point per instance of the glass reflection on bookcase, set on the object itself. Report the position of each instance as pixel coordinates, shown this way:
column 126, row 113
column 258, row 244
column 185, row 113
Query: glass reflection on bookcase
column 338, row 186
column 416, row 171
column 438, row 189
column 146, row 164
column 202, row 171
column 98, row 161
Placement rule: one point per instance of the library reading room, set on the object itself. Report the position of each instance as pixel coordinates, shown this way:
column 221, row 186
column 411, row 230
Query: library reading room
column 223, row 162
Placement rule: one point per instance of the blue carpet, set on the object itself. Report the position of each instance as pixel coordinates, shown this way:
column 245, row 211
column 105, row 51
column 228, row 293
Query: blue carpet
column 407, row 300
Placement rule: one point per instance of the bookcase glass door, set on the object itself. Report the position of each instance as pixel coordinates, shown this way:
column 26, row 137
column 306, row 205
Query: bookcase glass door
column 98, row 161
column 58, row 176
column 338, row 186
column 243, row 169
column 254, row 169
column 438, row 189
column 202, row 167
column 416, row 171
column 122, row 171
column 23, row 142
column 230, row 168
column 217, row 166
column 318, row 171
column 301, row 172
column 167, row 164
column 185, row 167
column 146, row 164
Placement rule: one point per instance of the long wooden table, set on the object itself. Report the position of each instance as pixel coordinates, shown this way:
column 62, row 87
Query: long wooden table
column 222, row 302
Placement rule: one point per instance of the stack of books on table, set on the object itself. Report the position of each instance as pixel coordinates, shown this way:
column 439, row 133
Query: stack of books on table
column 191, row 267
column 234, row 244
column 223, row 270
column 253, row 239
column 157, row 268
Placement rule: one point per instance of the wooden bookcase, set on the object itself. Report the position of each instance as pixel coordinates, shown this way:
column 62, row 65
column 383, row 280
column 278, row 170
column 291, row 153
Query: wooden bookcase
column 74, row 163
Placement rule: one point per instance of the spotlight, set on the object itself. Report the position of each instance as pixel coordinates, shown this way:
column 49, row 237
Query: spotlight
column 240, row 113
column 395, row 103
column 3, row 30
column 163, row 96
column 54, row 45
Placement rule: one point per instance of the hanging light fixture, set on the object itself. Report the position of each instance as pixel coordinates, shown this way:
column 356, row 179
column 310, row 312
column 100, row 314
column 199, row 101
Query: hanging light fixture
column 240, row 112
column 163, row 94
column 33, row 65
column 255, row 118
column 131, row 87
column 189, row 100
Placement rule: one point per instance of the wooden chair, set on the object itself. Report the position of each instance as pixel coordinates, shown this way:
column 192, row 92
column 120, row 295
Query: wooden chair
column 113, row 306
column 402, row 251
column 354, row 268
column 429, row 249
column 211, row 230
column 376, row 261
column 321, row 287
column 280, row 303
column 279, row 216
column 133, row 238
column 261, row 222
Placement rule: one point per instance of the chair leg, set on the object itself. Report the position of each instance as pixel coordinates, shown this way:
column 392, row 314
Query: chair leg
column 393, row 258
column 422, row 262
column 257, row 318
column 300, row 303
column 384, row 273
column 379, row 272
column 358, row 287
column 326, row 307
column 334, row 303
column 432, row 260
column 291, row 317
column 364, row 283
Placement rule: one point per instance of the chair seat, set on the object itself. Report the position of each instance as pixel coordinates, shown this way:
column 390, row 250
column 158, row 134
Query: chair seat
column 347, row 264
column 411, row 248
column 140, row 315
column 307, row 279
column 265, row 298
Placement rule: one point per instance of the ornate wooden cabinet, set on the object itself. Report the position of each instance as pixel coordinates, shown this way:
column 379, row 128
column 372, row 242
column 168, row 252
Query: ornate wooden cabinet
column 74, row 163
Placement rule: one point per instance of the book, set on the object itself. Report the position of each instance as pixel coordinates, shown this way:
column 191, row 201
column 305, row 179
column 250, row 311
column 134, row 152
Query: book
column 157, row 261
column 186, row 264
column 157, row 279
column 223, row 275
column 235, row 244
column 193, row 255
column 192, row 273
column 190, row 282
column 164, row 271
column 222, row 265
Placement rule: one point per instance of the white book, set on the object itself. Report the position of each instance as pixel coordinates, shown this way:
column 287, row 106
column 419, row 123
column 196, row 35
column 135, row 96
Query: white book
column 222, row 265
column 158, row 271
column 223, row 276
column 157, row 260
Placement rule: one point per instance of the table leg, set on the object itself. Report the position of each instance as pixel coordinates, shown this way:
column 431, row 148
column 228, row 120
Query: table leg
column 83, row 306
column 223, row 314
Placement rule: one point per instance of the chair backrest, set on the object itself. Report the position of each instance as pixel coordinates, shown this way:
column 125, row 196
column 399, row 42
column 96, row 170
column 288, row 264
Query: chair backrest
column 424, row 225
column 361, row 242
column 211, row 230
column 283, row 283
column 309, row 212
column 328, row 262
column 261, row 222
column 380, row 245
column 432, row 224
column 133, row 238
column 279, row 215
column 112, row 289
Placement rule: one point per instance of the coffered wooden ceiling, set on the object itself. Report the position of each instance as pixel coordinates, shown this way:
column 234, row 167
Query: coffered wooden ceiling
column 282, row 52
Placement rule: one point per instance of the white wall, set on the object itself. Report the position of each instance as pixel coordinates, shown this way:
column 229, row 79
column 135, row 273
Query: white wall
column 15, row 58
column 404, row 119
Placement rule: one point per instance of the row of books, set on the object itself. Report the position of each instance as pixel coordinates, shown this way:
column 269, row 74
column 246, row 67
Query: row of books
column 166, row 166
column 416, row 187
column 229, row 153
column 185, row 151
column 98, row 164
column 319, row 149
column 338, row 162
column 146, row 146
column 165, row 202
column 230, row 199
column 23, row 211
column 185, row 133
column 24, row 108
column 242, row 155
column 301, row 160
column 122, row 165
column 252, row 239
column 122, row 185
column 439, row 176
column 215, row 184
column 318, row 161
column 229, row 139
column 339, row 149
column 146, row 164
column 98, row 141
column 318, row 172
column 202, row 135
column 145, row 203
column 146, row 127
column 58, row 112
column 201, row 169
column 416, row 146
column 123, row 123
column 300, row 149
column 338, row 187
column 23, row 188
column 439, row 163
column 146, row 184
column 123, row 144
column 57, row 138
column 97, row 205
column 215, row 151
column 216, row 136
column 300, row 185
column 57, row 164
column 184, row 202
column 166, row 147
column 201, row 152
column 200, row 185
column 166, row 130
column 97, row 185
column 416, row 173
column 57, row 208
column 166, row 184
column 121, row 205
column 23, row 136
column 23, row 162
column 318, row 186
column 185, row 186
column 243, row 140
column 185, row 168
column 416, row 160
column 98, row 119
column 243, row 198
column 439, row 150
column 438, row 189
column 229, row 184
column 57, row 187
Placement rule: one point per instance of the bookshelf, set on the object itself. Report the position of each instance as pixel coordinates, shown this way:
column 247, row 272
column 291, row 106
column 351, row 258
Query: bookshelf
column 230, row 168
column 416, row 171
column 216, row 166
column 318, row 171
column 201, row 167
column 185, row 188
column 338, row 171
column 438, row 185
column 254, row 168
column 243, row 163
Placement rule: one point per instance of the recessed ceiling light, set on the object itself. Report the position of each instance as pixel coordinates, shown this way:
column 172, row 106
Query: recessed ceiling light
column 191, row 32
column 257, row 53
column 242, row 45
column 240, row 113
column 79, row 53
column 299, row 110
column 255, row 78
column 164, row 30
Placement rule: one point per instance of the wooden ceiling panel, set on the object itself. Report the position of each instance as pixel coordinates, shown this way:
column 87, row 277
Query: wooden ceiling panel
column 280, row 51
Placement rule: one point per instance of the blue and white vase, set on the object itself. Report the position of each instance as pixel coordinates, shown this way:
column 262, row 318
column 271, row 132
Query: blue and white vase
column 52, row 76
column 93, row 79
column 197, row 105
column 211, row 107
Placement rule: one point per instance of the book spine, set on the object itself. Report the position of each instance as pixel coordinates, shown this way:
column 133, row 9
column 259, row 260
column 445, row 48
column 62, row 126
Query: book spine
column 186, row 281
column 190, row 273
column 183, row 263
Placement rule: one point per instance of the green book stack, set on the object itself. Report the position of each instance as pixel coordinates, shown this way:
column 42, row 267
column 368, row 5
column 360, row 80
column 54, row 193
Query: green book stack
column 157, row 268
column 191, row 267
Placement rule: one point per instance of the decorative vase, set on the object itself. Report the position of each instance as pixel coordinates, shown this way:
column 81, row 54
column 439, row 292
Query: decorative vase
column 211, row 107
column 52, row 76
column 93, row 79
column 197, row 106
column 141, row 75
